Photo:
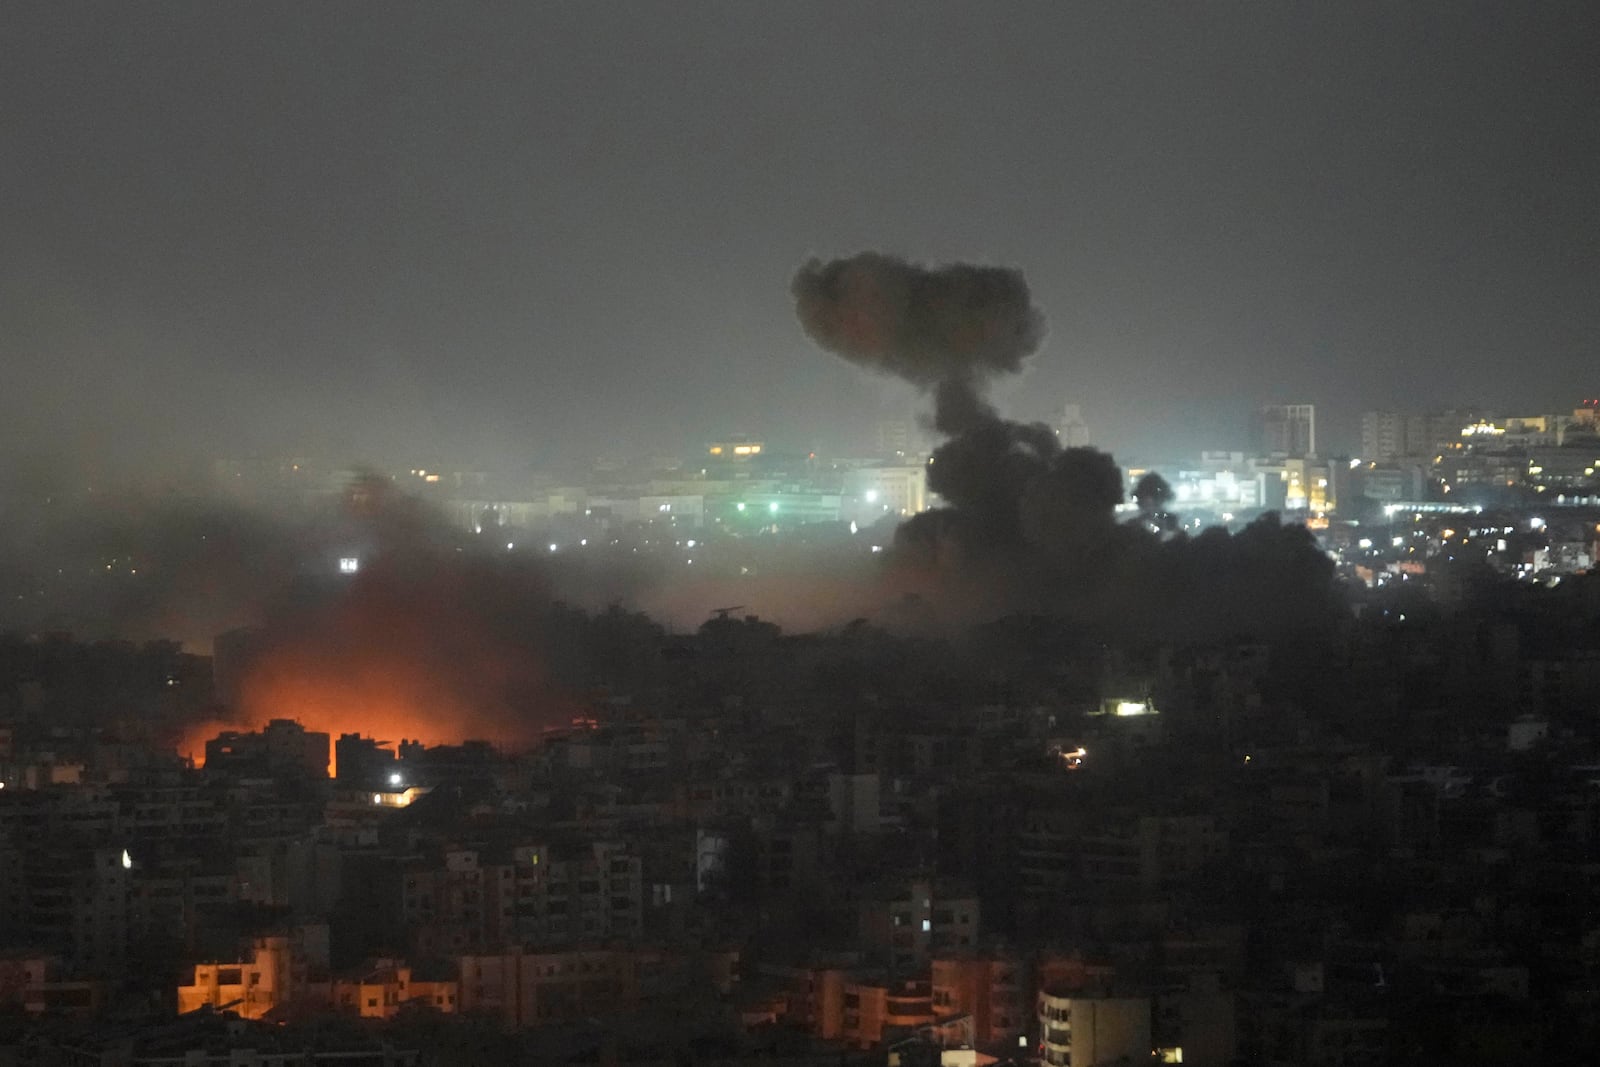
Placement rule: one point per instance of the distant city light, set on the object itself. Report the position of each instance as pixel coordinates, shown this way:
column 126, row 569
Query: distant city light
column 127, row 861
column 349, row 564
column 740, row 505
column 395, row 778
column 872, row 496
column 553, row 546
column 773, row 507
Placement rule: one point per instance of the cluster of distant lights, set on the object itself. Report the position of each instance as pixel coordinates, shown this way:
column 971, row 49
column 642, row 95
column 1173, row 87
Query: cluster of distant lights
column 871, row 496
column 1444, row 540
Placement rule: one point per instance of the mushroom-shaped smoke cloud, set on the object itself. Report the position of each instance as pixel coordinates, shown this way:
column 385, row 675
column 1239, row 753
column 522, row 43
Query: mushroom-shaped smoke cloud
column 1029, row 523
column 950, row 330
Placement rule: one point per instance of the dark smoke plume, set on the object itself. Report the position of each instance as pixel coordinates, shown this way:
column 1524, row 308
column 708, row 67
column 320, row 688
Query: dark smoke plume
column 1152, row 494
column 947, row 329
column 1024, row 523
column 950, row 330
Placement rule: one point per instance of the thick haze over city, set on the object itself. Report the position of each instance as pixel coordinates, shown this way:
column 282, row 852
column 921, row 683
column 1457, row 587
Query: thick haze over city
column 519, row 233
column 859, row 534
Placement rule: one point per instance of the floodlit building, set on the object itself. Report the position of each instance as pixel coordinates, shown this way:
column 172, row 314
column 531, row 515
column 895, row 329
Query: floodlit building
column 887, row 490
column 877, row 1011
column 1218, row 491
column 381, row 990
column 1297, row 484
column 250, row 988
column 1093, row 1031
column 990, row 989
column 283, row 970
column 813, row 997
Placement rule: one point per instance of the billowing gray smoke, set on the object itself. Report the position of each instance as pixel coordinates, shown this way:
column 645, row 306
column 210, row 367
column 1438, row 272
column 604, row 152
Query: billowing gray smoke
column 950, row 330
column 947, row 329
column 1029, row 522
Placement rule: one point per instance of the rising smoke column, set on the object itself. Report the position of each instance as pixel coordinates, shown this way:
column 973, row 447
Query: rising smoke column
column 950, row 330
column 1026, row 524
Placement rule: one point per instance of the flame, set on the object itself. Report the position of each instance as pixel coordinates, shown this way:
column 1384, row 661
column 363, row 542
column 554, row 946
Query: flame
column 389, row 703
column 419, row 646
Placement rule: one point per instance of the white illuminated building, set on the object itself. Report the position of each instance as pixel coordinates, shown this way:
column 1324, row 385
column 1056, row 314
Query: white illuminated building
column 1215, row 491
column 896, row 490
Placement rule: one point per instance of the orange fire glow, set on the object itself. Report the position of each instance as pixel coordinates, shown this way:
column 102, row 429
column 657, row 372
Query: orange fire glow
column 417, row 649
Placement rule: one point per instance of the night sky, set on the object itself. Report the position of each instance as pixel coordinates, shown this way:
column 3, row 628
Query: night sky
column 514, row 234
